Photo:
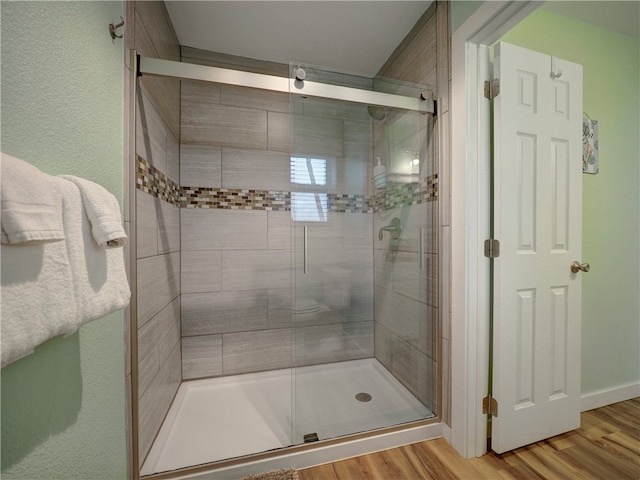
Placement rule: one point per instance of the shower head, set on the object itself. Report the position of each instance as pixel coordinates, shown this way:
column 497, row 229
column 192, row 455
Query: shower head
column 377, row 113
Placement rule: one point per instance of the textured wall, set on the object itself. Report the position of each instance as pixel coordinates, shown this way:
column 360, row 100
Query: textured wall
column 461, row 10
column 63, row 407
column 611, row 204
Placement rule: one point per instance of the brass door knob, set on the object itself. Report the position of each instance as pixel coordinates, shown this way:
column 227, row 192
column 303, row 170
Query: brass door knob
column 576, row 267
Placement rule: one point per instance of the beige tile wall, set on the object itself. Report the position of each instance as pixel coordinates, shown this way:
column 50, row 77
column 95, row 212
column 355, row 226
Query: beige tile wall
column 158, row 226
column 236, row 270
column 444, row 155
column 253, row 247
column 423, row 57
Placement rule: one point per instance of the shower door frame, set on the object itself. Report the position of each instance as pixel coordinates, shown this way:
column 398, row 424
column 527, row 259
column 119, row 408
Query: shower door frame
column 297, row 456
column 189, row 71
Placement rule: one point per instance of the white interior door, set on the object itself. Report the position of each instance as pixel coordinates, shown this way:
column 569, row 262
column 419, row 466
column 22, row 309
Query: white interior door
column 538, row 221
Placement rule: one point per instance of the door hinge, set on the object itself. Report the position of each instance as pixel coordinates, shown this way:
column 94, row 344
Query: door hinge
column 490, row 406
column 492, row 248
column 491, row 88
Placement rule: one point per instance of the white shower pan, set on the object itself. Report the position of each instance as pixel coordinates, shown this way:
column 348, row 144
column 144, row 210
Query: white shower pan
column 228, row 417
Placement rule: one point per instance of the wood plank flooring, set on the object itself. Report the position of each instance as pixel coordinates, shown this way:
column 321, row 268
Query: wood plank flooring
column 605, row 447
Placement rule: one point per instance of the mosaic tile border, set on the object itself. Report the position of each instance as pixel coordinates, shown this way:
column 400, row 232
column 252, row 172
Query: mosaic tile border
column 343, row 203
column 235, row 199
column 406, row 194
column 152, row 181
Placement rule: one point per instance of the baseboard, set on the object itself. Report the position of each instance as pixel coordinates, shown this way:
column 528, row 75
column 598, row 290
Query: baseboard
column 601, row 398
column 446, row 433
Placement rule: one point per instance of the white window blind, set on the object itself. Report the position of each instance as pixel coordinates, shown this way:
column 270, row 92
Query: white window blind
column 308, row 171
column 309, row 206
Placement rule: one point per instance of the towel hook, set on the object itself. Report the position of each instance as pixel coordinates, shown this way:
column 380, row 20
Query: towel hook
column 555, row 71
column 113, row 29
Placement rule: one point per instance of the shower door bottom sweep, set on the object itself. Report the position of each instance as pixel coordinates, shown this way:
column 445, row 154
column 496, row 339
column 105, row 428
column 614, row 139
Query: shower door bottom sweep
column 227, row 417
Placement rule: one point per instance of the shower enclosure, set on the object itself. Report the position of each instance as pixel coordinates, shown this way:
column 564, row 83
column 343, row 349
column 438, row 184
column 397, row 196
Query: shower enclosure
column 309, row 287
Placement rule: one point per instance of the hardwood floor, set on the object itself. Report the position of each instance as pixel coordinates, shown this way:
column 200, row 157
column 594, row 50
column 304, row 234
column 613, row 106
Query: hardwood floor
column 605, row 447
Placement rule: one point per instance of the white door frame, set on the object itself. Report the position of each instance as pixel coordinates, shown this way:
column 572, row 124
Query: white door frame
column 470, row 215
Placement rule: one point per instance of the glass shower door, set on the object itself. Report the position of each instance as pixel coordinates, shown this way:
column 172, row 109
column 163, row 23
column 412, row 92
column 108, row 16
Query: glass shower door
column 405, row 264
column 340, row 387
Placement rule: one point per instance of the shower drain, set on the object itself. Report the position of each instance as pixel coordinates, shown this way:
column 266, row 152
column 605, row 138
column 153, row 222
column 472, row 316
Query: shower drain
column 363, row 397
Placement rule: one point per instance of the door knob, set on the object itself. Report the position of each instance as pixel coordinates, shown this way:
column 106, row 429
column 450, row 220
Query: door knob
column 576, row 267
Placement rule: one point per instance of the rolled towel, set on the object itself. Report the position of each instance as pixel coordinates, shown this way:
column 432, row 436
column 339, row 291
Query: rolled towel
column 31, row 207
column 99, row 276
column 103, row 211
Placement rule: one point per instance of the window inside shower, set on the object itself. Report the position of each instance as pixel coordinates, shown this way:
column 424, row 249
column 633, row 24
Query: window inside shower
column 311, row 205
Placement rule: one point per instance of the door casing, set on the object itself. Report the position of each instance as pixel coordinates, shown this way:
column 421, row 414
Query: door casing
column 470, row 213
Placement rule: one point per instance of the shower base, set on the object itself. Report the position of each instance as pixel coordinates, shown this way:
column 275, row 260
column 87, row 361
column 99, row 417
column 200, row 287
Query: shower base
column 228, row 417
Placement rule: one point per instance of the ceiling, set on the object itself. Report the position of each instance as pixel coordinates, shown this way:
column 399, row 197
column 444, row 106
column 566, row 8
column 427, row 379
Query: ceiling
column 355, row 37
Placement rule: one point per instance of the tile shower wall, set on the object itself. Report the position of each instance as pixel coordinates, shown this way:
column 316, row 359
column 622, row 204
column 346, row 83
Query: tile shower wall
column 405, row 284
column 410, row 308
column 158, row 224
column 237, row 232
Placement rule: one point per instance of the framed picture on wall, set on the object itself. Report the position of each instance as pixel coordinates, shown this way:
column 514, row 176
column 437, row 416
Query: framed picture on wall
column 590, row 160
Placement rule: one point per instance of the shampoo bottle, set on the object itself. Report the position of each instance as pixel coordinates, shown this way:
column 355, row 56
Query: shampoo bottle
column 379, row 175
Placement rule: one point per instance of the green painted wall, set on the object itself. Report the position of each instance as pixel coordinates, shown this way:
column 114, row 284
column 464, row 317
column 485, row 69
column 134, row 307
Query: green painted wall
column 611, row 202
column 460, row 10
column 63, row 407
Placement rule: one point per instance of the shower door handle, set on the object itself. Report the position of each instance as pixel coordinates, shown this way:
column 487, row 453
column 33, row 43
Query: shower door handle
column 304, row 250
column 421, row 249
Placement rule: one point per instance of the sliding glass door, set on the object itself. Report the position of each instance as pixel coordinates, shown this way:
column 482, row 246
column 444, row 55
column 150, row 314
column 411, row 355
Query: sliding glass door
column 363, row 311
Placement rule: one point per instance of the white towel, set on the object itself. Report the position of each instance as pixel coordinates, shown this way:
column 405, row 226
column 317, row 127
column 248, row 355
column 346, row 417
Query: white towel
column 38, row 302
column 30, row 206
column 52, row 289
column 103, row 211
column 99, row 275
column 37, row 297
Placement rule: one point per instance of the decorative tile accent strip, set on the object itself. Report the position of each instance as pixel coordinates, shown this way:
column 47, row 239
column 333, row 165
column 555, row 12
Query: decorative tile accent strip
column 235, row 199
column 406, row 194
column 152, row 181
column 339, row 203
